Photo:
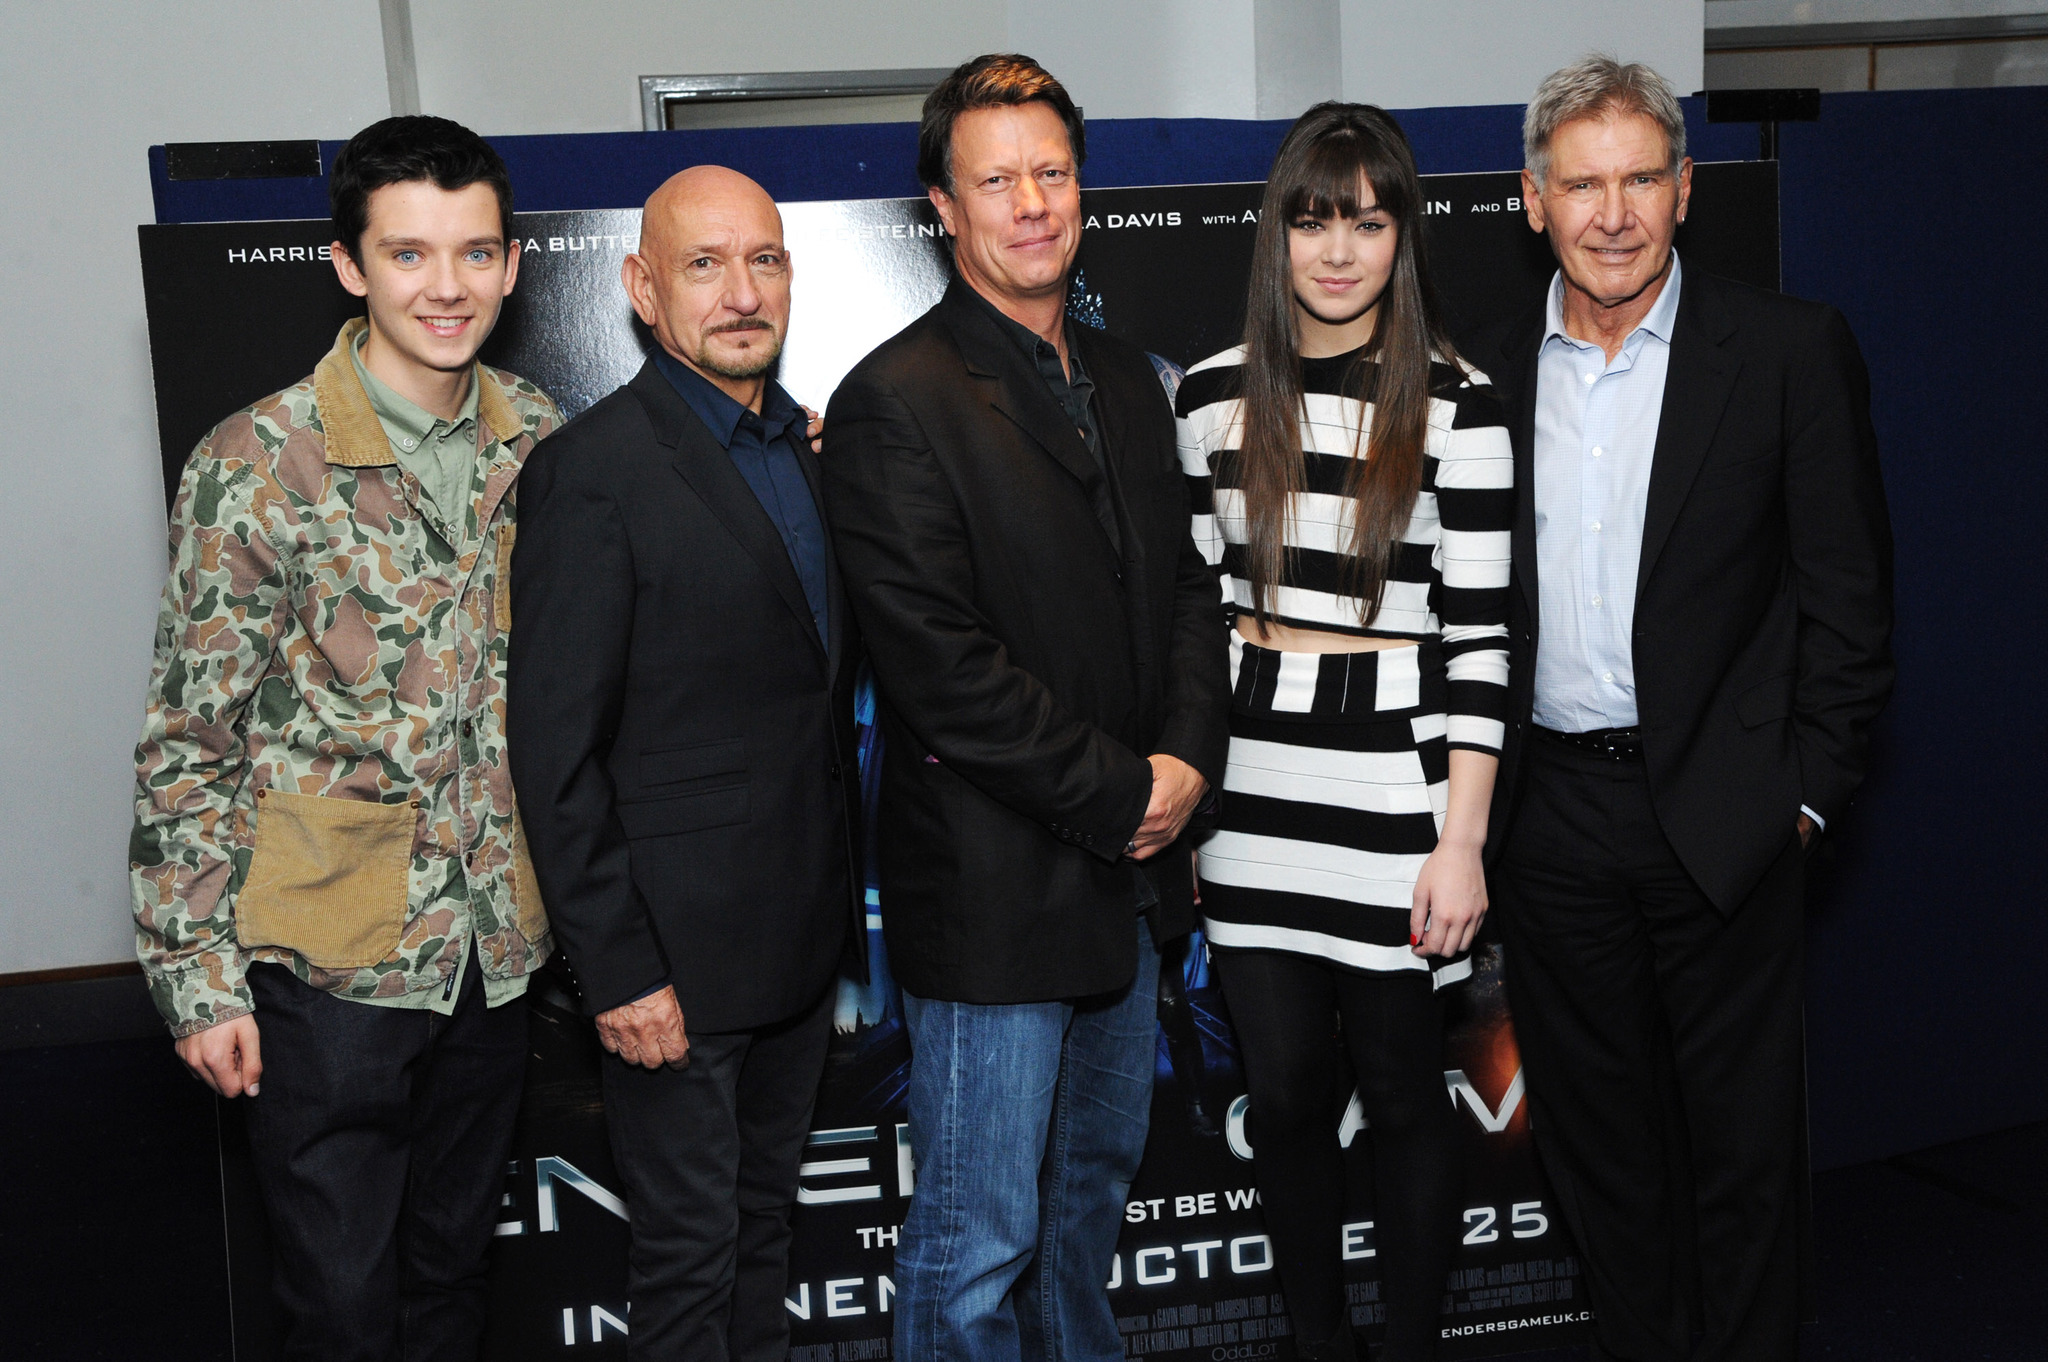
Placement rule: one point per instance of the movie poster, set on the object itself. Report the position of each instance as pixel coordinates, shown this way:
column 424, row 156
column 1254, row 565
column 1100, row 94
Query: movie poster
column 238, row 310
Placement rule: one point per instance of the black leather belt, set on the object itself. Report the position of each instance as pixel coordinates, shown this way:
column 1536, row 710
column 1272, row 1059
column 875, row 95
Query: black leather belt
column 1614, row 744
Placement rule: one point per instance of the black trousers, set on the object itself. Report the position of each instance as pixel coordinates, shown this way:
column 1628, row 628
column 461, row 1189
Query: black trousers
column 708, row 1154
column 1286, row 1011
column 1665, row 1051
column 379, row 1139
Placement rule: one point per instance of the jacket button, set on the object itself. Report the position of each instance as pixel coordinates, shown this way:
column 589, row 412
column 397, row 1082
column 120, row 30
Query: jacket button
column 833, row 770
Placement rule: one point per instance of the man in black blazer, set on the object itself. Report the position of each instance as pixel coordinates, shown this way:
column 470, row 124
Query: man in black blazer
column 1050, row 655
column 681, row 731
column 1700, row 640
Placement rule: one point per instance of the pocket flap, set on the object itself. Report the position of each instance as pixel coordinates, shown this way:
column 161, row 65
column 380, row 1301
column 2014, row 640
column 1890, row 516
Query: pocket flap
column 328, row 879
column 699, row 761
column 714, row 808
column 1765, row 701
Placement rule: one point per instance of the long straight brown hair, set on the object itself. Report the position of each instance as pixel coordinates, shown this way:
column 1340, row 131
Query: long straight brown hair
column 1332, row 155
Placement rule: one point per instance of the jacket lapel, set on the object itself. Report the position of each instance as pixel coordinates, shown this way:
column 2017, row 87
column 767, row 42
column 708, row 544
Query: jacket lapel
column 1020, row 394
column 1523, row 346
column 1697, row 384
column 836, row 607
column 708, row 469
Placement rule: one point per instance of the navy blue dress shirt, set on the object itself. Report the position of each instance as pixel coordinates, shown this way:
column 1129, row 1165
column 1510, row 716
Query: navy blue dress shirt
column 763, row 448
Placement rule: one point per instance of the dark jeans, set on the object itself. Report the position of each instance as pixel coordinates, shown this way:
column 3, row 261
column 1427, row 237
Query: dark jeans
column 1665, row 1054
column 380, row 1139
column 1285, row 1010
column 1027, row 1122
column 708, row 1154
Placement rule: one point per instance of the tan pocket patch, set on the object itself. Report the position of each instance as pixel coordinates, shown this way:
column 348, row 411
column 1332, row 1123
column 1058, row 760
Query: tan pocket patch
column 501, row 590
column 328, row 878
column 527, row 911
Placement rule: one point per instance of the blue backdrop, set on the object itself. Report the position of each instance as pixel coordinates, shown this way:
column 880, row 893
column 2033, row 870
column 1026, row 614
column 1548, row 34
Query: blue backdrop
column 1915, row 214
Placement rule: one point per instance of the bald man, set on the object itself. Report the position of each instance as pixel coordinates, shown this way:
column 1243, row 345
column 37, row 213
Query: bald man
column 681, row 730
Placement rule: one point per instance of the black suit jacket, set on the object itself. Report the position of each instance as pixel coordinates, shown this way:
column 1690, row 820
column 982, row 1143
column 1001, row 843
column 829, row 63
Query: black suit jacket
column 1764, row 595
column 681, row 740
column 1026, row 668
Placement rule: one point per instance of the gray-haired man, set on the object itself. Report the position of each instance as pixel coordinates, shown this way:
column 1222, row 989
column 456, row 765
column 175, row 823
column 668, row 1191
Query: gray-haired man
column 1700, row 630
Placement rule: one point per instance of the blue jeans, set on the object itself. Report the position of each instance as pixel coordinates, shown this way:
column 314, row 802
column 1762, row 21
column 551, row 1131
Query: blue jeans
column 1027, row 1122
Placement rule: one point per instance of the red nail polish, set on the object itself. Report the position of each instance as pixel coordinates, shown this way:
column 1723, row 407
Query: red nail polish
column 1414, row 940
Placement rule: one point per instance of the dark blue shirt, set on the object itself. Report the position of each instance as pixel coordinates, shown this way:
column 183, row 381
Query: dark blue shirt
column 763, row 448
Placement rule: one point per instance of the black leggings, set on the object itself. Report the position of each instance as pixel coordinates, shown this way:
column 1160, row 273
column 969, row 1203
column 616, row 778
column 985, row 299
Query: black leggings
column 1286, row 1011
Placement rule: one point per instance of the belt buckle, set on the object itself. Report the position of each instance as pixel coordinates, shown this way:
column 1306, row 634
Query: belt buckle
column 1619, row 746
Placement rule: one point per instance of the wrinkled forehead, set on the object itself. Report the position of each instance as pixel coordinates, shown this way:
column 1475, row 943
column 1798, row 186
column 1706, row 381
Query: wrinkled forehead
column 721, row 224
column 1611, row 139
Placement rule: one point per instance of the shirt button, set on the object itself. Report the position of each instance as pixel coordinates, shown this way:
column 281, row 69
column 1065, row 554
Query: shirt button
column 408, row 443
column 1607, row 676
column 1596, row 602
column 1591, row 377
column 1598, row 451
column 1596, row 527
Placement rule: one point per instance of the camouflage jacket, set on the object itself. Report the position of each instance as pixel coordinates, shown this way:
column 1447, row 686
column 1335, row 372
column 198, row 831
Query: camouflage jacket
column 321, row 779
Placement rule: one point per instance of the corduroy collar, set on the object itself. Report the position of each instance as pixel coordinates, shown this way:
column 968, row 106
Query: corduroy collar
column 355, row 437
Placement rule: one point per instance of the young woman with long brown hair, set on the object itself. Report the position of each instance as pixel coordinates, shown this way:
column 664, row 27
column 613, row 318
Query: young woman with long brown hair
column 1353, row 480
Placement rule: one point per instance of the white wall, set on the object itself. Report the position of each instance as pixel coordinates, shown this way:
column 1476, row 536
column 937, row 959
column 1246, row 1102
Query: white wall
column 87, row 88
column 1300, row 55
column 520, row 66
column 1145, row 58
column 1404, row 55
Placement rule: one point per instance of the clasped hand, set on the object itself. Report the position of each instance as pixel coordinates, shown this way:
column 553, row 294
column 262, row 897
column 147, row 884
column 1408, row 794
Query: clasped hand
column 1449, row 902
column 647, row 1032
column 1176, row 789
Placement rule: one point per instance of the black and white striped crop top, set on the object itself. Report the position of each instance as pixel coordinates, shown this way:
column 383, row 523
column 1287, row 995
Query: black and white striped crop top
column 1449, row 574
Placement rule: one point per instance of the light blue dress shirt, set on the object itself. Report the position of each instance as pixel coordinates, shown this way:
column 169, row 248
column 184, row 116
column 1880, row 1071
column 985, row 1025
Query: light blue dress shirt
column 1596, row 433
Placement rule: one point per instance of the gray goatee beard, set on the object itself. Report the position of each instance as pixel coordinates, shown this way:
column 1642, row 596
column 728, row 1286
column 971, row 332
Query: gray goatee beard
column 753, row 366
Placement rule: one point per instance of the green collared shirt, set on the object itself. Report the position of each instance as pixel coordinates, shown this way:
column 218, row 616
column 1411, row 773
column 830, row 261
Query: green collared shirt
column 440, row 454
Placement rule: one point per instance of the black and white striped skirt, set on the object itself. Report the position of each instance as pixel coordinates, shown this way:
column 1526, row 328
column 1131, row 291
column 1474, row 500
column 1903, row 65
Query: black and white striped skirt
column 1335, row 793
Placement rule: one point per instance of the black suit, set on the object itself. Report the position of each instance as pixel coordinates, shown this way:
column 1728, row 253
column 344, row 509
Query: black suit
column 682, row 744
column 1027, row 661
column 1653, row 907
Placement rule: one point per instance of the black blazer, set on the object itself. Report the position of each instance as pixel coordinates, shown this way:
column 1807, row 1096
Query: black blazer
column 1025, row 667
column 1764, row 596
column 681, row 741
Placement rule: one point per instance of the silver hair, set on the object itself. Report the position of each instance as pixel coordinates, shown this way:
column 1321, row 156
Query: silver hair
column 1597, row 86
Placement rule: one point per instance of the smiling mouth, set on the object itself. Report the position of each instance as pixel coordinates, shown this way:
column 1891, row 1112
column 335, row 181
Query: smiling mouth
column 445, row 326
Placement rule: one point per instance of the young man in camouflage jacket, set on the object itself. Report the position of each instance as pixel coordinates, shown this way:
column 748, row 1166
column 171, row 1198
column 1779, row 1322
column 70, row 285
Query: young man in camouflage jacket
column 332, row 900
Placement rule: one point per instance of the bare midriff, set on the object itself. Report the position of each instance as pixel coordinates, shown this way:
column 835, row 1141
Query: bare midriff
column 1287, row 639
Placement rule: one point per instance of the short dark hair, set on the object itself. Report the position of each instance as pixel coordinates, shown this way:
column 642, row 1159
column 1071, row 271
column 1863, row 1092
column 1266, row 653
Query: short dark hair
column 994, row 81
column 404, row 149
